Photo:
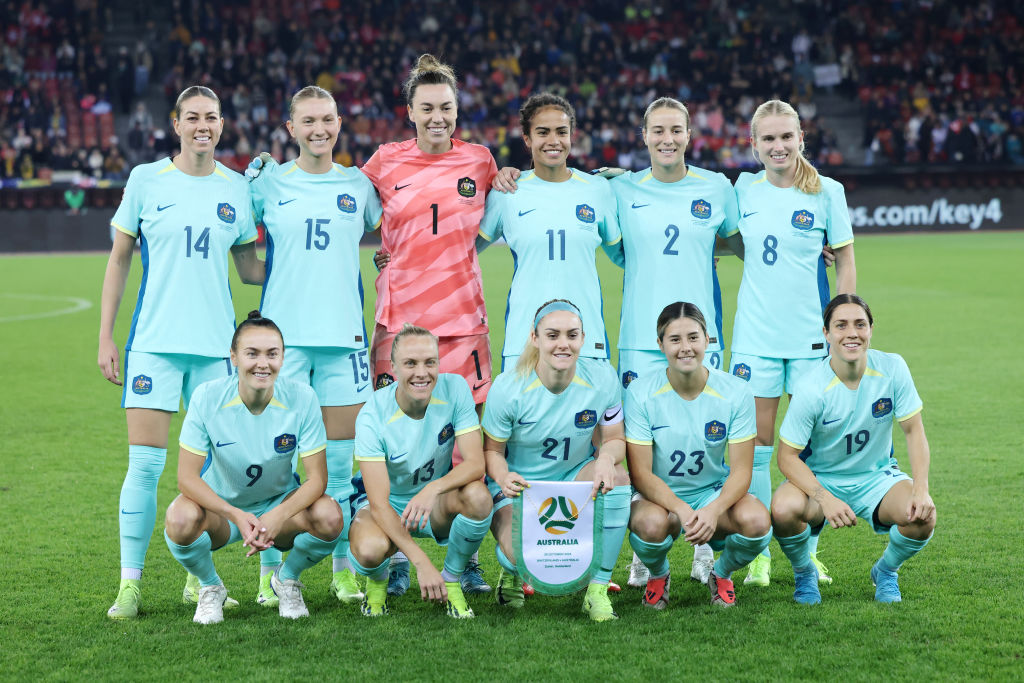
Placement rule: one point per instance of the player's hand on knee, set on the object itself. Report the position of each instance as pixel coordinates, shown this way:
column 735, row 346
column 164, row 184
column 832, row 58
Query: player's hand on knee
column 431, row 584
column 416, row 514
column 920, row 508
column 513, row 484
column 505, row 180
column 838, row 513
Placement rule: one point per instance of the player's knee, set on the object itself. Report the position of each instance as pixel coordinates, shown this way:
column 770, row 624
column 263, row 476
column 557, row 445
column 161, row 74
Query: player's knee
column 183, row 521
column 650, row 526
column 752, row 520
column 918, row 529
column 325, row 517
column 476, row 500
column 786, row 508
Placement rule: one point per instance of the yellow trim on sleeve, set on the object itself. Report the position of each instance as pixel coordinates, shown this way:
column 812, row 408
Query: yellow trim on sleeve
column 398, row 414
column 665, row 387
column 732, row 233
column 437, row 402
column 341, row 169
column 169, row 167
column 290, row 170
column 871, row 372
column 711, row 392
column 907, row 417
column 842, row 244
column 306, row 454
column 529, row 175
column 576, row 175
column 758, row 182
column 221, row 173
column 790, row 443
column 190, row 449
column 833, row 384
column 248, row 241
column 645, row 178
column 236, row 401
column 638, row 442
column 617, row 240
column 533, row 385
column 485, row 235
column 376, row 225
column 467, row 430
column 496, row 438
column 576, row 380
column 124, row 230
column 741, row 439
column 277, row 404
column 367, row 458
column 690, row 173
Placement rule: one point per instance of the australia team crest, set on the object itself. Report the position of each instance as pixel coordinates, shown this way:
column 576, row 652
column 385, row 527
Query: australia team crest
column 742, row 370
column 586, row 213
column 881, row 407
column 585, row 419
column 142, row 385
column 627, row 377
column 714, row 431
column 467, row 187
column 446, row 433
column 347, row 203
column 701, row 209
column 803, row 219
column 284, row 443
column 226, row 212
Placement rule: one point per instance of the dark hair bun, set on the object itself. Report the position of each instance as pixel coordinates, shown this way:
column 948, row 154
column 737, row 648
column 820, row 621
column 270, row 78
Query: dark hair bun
column 254, row 315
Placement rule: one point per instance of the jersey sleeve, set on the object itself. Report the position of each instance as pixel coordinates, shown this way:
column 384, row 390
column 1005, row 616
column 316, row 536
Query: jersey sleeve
column 906, row 401
column 731, row 223
column 246, row 225
column 838, row 226
column 256, row 197
column 372, row 168
column 638, row 424
column 312, row 434
column 617, row 252
column 609, row 229
column 498, row 417
column 372, row 209
column 369, row 444
column 804, row 410
column 465, row 417
column 194, row 436
column 129, row 211
column 743, row 425
column 491, row 223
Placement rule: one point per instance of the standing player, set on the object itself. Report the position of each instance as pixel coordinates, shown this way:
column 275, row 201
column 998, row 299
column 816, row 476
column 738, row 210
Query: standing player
column 540, row 423
column 252, row 426
column 844, row 408
column 671, row 215
column 187, row 213
column 788, row 211
column 680, row 424
column 405, row 435
column 315, row 212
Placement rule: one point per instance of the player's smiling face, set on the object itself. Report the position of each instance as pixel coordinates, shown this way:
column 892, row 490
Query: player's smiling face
column 684, row 343
column 434, row 110
column 778, row 142
column 667, row 136
column 416, row 366
column 849, row 332
column 550, row 137
column 315, row 126
column 258, row 355
column 558, row 338
column 199, row 125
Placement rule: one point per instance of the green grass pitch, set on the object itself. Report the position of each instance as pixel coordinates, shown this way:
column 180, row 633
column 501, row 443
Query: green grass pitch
column 951, row 304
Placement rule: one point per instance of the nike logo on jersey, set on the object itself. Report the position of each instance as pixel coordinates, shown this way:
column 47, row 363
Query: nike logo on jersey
column 226, row 443
column 750, row 213
column 828, row 422
column 161, row 208
column 401, row 187
column 656, row 428
column 393, row 458
column 639, row 206
column 482, row 384
column 281, row 202
column 361, row 388
column 523, row 213
column 125, row 512
column 526, row 423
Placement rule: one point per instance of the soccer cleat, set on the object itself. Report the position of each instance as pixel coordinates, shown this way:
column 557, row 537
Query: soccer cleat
column 190, row 593
column 289, row 595
column 614, row 587
column 398, row 578
column 528, row 590
column 472, row 580
column 887, row 586
column 823, row 576
column 722, row 592
column 375, row 602
column 639, row 574
column 759, row 571
column 266, row 596
column 129, row 597
column 345, row 587
column 510, row 590
column 806, row 591
column 456, row 605
column 210, row 606
column 701, row 568
column 596, row 603
column 656, row 593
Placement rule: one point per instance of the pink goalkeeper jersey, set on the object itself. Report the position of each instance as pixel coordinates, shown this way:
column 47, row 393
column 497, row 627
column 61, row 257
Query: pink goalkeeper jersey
column 433, row 204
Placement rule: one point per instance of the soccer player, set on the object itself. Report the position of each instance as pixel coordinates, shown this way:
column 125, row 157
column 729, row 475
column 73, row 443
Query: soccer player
column 404, row 439
column 315, row 212
column 671, row 215
column 681, row 422
column 539, row 423
column 252, row 426
column 845, row 407
column 187, row 213
column 787, row 212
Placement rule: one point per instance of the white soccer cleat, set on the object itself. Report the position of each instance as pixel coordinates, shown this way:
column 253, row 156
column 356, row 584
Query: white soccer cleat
column 289, row 594
column 639, row 575
column 210, row 608
column 703, row 563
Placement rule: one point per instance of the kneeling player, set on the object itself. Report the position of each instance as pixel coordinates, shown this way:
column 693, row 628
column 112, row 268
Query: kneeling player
column 680, row 423
column 845, row 408
column 404, row 439
column 252, row 425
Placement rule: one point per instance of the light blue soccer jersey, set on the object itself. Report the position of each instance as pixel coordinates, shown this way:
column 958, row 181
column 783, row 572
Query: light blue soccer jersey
column 690, row 438
column 850, row 430
column 416, row 452
column 185, row 226
column 251, row 455
column 554, row 230
column 314, row 221
column 548, row 435
column 668, row 240
column 785, row 286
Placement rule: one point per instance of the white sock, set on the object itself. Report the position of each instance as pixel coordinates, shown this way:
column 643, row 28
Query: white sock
column 131, row 573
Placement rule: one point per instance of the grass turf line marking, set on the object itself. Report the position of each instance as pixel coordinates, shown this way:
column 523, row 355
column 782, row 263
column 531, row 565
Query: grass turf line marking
column 77, row 305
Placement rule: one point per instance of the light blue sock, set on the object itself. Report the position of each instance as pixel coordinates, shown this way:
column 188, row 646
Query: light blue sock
column 339, row 485
column 307, row 550
column 761, row 480
column 378, row 573
column 503, row 560
column 653, row 555
column 270, row 558
column 137, row 514
column 464, row 539
column 196, row 558
column 616, row 525
column 815, row 535
column 796, row 550
column 900, row 549
column 738, row 552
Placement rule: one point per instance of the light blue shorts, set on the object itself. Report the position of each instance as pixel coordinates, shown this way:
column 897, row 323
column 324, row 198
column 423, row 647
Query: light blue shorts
column 161, row 381
column 768, row 377
column 864, row 493
column 634, row 363
column 499, row 499
column 398, row 504
column 258, row 510
column 696, row 499
column 339, row 376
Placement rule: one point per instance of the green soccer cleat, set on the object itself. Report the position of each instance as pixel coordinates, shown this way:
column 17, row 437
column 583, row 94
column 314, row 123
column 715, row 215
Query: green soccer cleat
column 456, row 605
column 129, row 597
column 345, row 587
column 190, row 593
column 510, row 591
column 759, row 571
column 375, row 602
column 596, row 603
column 823, row 575
column 266, row 597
